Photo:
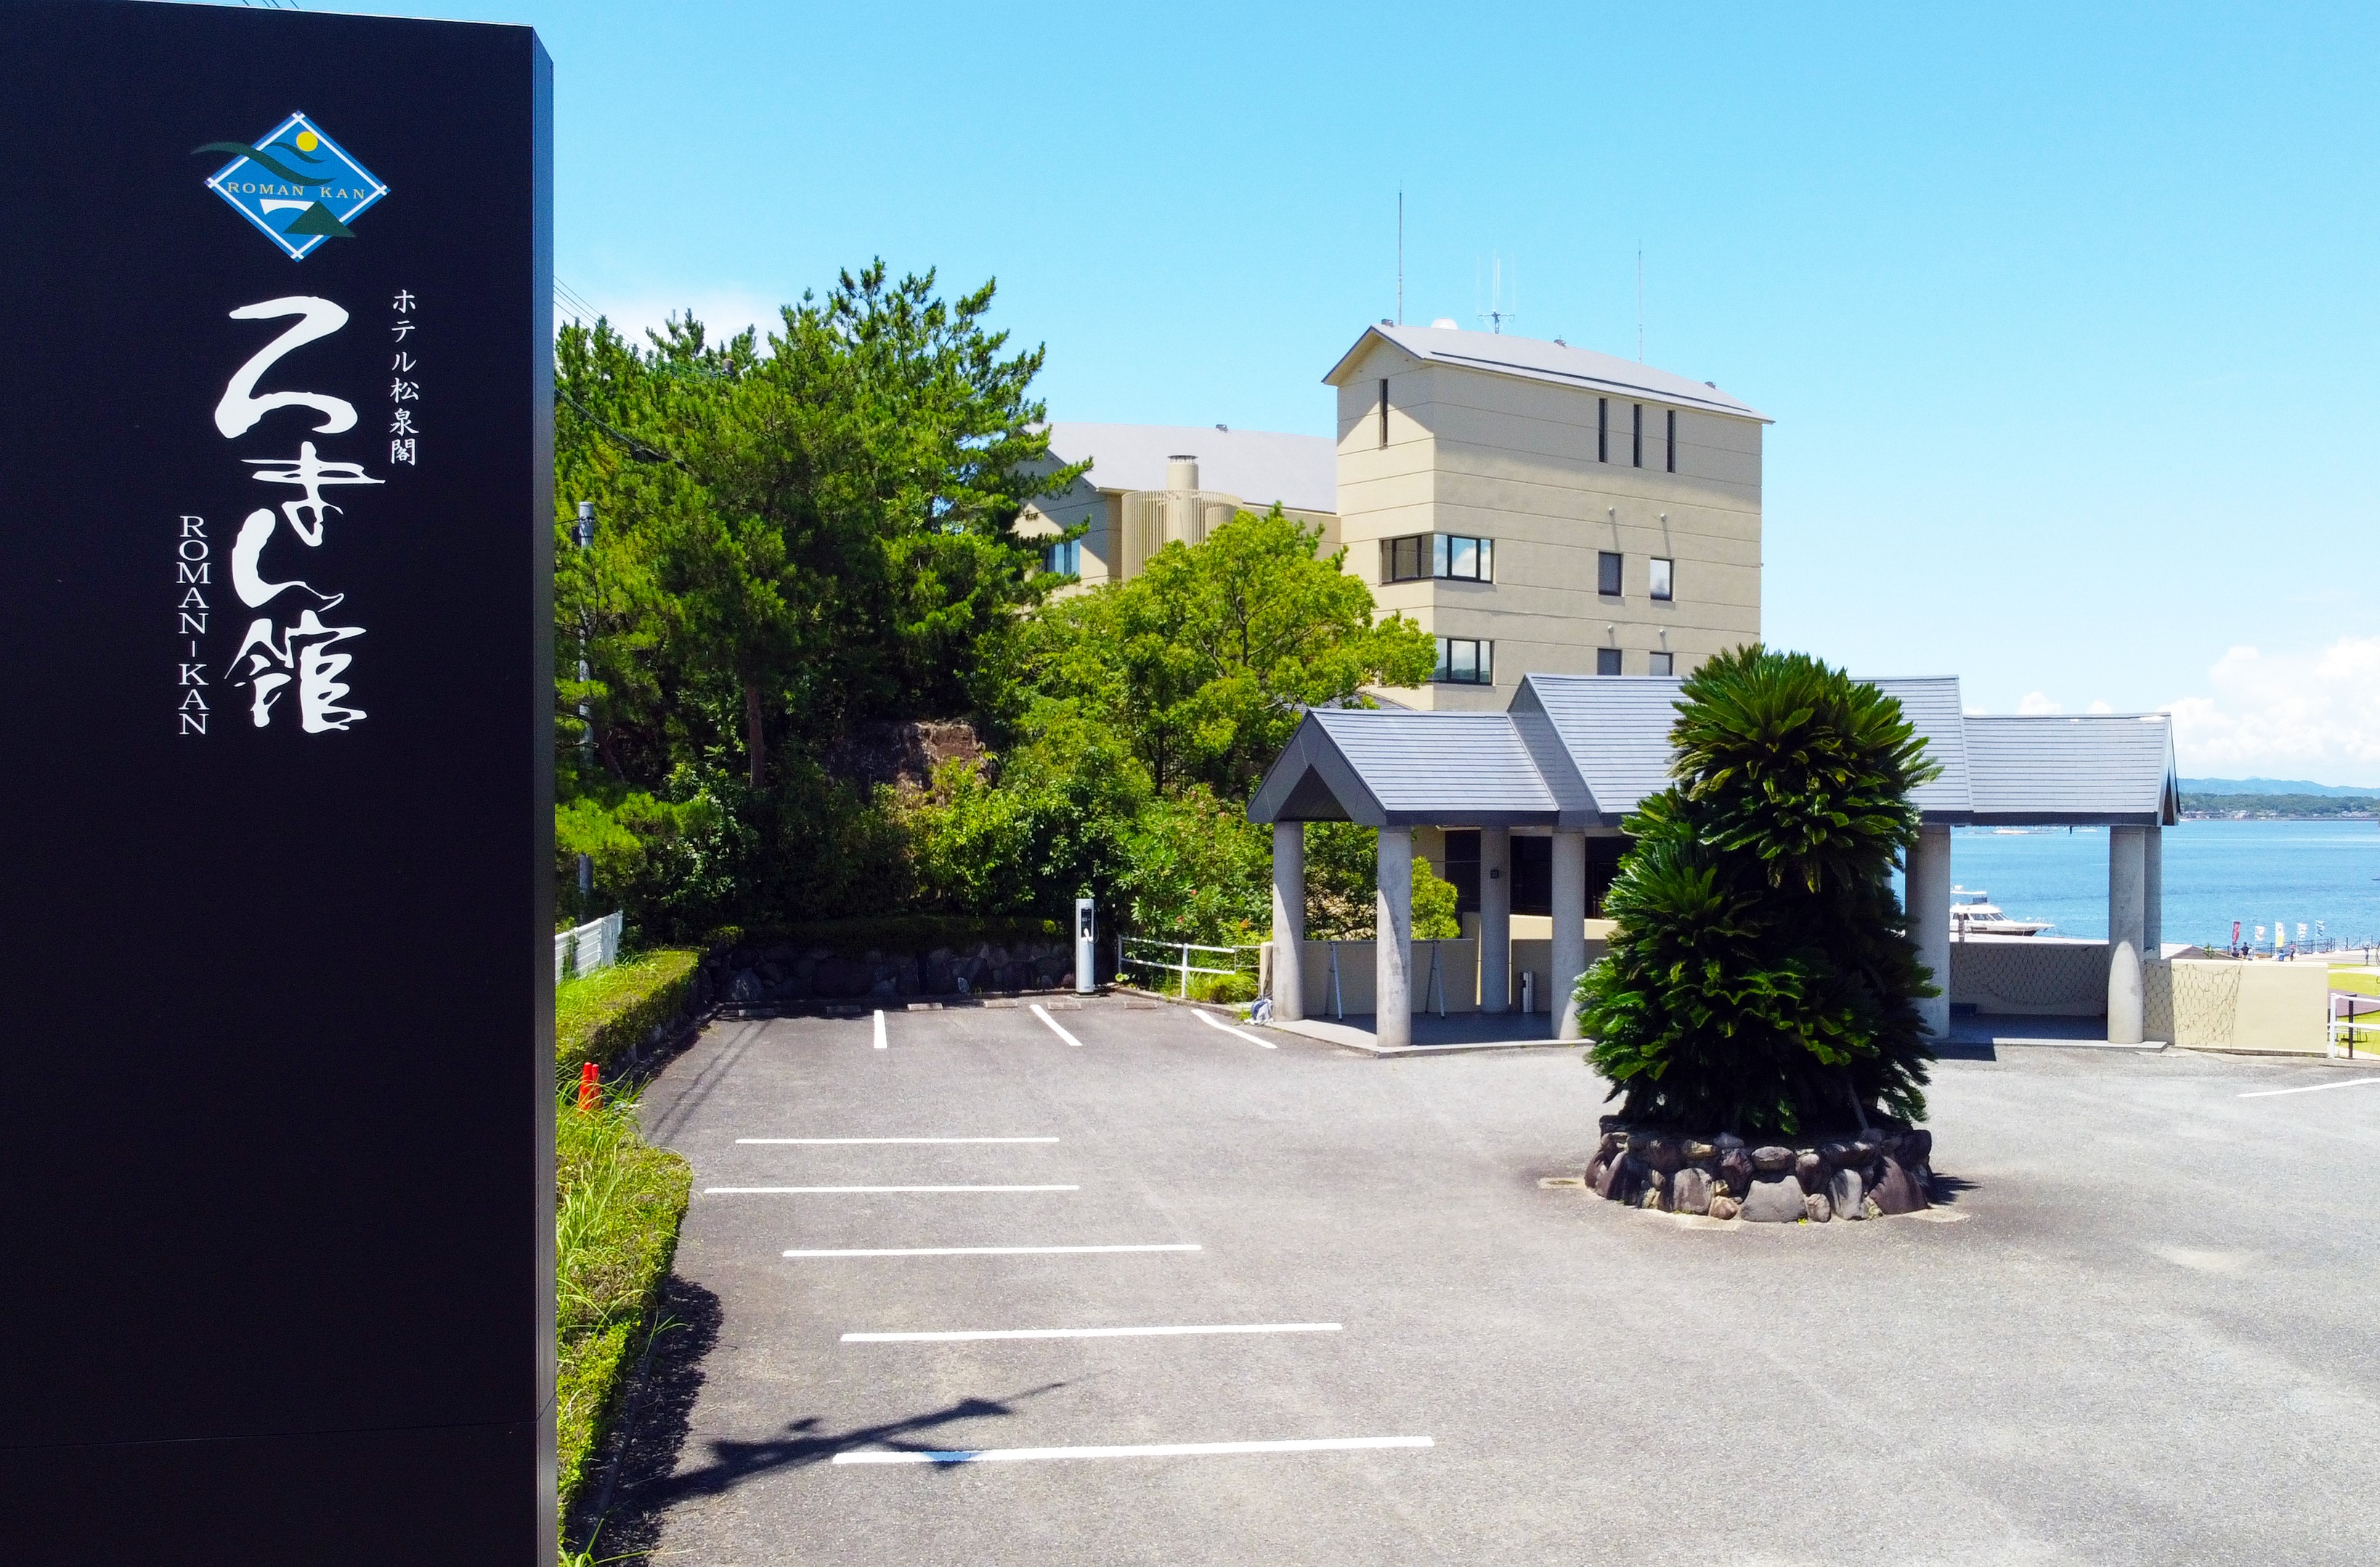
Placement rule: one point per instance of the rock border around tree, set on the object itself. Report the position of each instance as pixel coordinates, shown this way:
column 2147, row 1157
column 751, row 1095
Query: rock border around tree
column 1874, row 1175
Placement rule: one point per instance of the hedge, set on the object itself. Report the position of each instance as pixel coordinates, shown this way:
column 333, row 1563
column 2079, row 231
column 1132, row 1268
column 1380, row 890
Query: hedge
column 598, row 1015
column 894, row 933
column 618, row 1203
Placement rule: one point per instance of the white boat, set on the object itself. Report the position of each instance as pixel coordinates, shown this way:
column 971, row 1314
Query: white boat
column 1973, row 914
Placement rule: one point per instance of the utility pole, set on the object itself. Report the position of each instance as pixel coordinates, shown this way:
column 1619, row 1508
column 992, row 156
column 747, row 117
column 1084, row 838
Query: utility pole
column 586, row 535
column 1401, row 257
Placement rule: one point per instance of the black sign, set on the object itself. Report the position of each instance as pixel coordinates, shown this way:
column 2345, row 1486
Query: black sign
column 275, row 547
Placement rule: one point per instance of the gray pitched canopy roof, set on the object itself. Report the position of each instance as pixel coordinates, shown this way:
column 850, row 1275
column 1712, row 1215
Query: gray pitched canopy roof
column 1580, row 751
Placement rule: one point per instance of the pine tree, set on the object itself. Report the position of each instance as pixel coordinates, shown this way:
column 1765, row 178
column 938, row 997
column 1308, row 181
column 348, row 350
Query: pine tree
column 1762, row 979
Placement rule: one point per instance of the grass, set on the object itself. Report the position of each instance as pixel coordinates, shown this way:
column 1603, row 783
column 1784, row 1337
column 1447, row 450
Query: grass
column 598, row 1016
column 618, row 1203
column 1224, row 988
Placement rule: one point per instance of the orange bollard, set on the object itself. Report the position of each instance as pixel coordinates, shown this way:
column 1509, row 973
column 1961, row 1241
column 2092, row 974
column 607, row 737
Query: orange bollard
column 588, row 1079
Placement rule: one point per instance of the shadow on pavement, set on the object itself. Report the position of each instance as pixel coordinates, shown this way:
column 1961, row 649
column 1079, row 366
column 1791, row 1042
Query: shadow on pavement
column 657, row 1406
column 732, row 1463
column 1945, row 1190
column 642, row 1478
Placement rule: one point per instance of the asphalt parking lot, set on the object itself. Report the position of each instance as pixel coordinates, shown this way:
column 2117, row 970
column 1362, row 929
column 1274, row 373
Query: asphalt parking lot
column 2143, row 1333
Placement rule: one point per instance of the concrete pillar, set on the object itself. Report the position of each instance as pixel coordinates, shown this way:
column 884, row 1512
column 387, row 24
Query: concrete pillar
column 2127, row 909
column 1288, row 920
column 1928, row 883
column 1392, row 940
column 1495, row 919
column 1567, row 959
column 2152, row 892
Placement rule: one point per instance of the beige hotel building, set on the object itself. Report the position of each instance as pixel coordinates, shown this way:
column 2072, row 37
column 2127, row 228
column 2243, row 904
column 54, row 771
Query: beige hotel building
column 1538, row 509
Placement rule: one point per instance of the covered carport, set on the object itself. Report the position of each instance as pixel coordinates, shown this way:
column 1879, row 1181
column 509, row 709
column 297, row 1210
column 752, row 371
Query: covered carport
column 1573, row 756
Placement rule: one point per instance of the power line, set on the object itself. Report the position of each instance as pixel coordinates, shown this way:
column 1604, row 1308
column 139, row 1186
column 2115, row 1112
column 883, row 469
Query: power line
column 573, row 303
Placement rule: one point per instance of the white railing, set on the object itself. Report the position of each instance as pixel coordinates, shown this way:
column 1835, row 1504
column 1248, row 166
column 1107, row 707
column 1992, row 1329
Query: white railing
column 1168, row 963
column 593, row 945
column 2348, row 1028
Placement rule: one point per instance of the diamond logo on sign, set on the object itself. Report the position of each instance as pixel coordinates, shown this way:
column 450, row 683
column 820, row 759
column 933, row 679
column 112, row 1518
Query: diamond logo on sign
column 295, row 184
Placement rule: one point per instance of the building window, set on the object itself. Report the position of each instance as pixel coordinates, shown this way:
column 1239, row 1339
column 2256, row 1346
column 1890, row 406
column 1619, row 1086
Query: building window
column 1065, row 558
column 1607, row 661
column 1438, row 555
column 1659, row 664
column 1673, row 440
column 1603, row 429
column 1464, row 660
column 1384, row 412
column 1660, row 576
column 1607, row 573
column 1636, row 439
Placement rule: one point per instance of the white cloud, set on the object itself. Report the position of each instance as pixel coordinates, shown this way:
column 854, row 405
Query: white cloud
column 2036, row 704
column 2099, row 706
column 2285, row 715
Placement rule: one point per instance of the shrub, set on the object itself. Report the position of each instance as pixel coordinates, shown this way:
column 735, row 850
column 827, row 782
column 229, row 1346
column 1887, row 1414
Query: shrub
column 1761, row 979
column 896, row 933
column 1222, row 988
column 617, row 1207
column 1434, row 900
column 598, row 1016
column 1196, row 870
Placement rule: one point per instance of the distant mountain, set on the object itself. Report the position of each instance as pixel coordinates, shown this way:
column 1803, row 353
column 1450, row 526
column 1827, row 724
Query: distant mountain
column 2269, row 786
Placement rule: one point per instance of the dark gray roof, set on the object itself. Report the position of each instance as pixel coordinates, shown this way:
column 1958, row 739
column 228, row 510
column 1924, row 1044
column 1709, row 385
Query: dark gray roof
column 1582, row 750
column 1389, row 767
column 1615, row 732
column 1932, row 707
column 1535, row 360
column 2092, row 768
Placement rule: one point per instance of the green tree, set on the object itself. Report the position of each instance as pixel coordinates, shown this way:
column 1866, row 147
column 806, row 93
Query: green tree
column 1434, row 905
column 1206, row 660
column 1762, row 979
column 1055, row 824
column 792, row 539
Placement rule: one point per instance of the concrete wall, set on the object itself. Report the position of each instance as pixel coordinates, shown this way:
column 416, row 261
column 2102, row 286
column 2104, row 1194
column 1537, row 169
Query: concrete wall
column 2219, row 1004
column 1513, row 459
column 1458, row 974
column 1536, row 956
column 2200, row 1003
column 2030, row 976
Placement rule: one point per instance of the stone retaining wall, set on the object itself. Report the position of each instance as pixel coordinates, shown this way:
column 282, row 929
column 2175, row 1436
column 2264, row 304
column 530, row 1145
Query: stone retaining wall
column 1883, row 1171
column 792, row 974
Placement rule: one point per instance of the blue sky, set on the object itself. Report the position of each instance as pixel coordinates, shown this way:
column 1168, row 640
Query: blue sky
column 2067, row 317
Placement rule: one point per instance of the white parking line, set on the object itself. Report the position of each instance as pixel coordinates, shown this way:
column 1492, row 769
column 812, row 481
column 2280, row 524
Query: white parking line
column 854, row 1142
column 1144, row 1449
column 982, row 1251
column 1087, row 1333
column 879, row 1030
column 1053, row 1027
column 1208, row 1019
column 756, row 1191
column 2316, row 1089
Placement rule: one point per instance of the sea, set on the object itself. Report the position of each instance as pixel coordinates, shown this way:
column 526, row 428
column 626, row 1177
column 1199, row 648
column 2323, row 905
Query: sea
column 2321, row 875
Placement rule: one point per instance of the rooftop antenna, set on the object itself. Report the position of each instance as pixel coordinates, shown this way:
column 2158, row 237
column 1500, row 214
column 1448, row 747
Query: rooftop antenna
column 1401, row 257
column 1640, row 304
column 1496, row 313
